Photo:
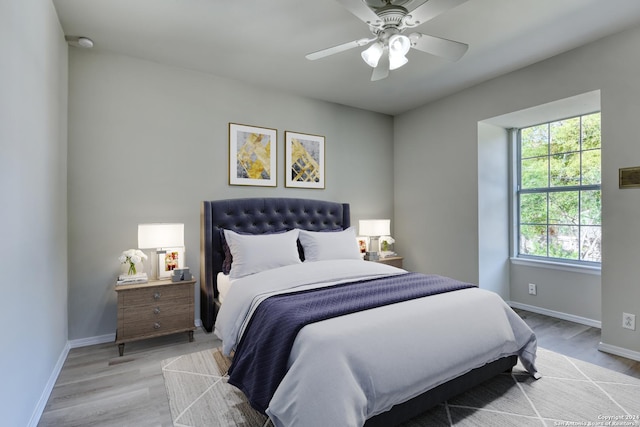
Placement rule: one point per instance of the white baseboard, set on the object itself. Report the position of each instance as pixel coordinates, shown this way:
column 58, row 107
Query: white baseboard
column 619, row 351
column 100, row 339
column 48, row 388
column 557, row 314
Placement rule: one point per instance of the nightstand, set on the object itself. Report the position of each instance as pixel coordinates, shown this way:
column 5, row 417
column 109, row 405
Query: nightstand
column 160, row 307
column 395, row 261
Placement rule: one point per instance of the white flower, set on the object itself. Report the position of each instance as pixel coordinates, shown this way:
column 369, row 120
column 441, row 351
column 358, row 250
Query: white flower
column 141, row 254
column 132, row 256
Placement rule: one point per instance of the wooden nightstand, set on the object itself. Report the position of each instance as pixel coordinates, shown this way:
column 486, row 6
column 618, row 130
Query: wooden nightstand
column 395, row 261
column 160, row 307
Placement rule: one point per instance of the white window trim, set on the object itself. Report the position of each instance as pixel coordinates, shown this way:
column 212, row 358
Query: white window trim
column 557, row 265
column 515, row 243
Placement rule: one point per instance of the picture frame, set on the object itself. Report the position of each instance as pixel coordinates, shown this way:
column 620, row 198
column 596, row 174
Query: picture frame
column 252, row 155
column 169, row 259
column 304, row 160
column 363, row 245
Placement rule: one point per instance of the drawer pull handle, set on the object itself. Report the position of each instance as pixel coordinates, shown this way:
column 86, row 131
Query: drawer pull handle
column 157, row 295
column 156, row 325
column 156, row 310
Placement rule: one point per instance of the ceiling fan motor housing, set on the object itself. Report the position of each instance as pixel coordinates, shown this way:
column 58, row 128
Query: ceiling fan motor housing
column 391, row 17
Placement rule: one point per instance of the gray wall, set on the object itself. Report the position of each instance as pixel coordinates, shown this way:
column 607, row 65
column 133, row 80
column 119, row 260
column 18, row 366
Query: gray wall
column 33, row 212
column 436, row 162
column 566, row 294
column 148, row 142
column 493, row 209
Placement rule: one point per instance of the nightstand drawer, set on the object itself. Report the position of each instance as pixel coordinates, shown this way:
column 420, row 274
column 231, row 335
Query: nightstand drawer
column 155, row 294
column 161, row 326
column 155, row 311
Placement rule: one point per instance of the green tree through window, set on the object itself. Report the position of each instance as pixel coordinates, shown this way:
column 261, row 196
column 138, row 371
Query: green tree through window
column 559, row 196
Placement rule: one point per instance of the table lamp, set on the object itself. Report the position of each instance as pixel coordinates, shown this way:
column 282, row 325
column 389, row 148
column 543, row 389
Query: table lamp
column 161, row 237
column 374, row 228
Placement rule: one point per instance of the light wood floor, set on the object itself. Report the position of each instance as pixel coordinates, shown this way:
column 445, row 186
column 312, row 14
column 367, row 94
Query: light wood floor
column 98, row 388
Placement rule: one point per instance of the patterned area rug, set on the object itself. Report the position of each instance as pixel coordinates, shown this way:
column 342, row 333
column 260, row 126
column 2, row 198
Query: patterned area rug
column 570, row 393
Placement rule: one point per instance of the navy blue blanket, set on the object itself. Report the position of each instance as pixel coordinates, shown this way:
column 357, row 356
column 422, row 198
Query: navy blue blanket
column 260, row 361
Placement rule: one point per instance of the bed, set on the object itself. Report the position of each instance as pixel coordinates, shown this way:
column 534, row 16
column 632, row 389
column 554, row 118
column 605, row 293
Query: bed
column 320, row 355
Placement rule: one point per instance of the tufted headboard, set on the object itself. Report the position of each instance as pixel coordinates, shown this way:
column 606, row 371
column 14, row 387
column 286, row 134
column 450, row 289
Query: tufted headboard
column 255, row 216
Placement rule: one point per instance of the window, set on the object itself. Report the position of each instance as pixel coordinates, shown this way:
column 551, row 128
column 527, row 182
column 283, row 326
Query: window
column 558, row 193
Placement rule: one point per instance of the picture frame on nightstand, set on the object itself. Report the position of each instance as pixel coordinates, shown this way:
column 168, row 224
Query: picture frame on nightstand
column 168, row 260
column 363, row 244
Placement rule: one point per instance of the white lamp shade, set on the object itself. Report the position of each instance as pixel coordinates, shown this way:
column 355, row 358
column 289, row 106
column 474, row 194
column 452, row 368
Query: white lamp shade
column 397, row 61
column 399, row 44
column 372, row 54
column 375, row 227
column 154, row 236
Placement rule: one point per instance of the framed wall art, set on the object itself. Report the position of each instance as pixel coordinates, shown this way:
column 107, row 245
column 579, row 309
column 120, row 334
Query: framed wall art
column 304, row 160
column 252, row 155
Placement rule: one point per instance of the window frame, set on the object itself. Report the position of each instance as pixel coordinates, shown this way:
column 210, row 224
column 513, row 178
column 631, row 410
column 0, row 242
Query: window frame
column 548, row 190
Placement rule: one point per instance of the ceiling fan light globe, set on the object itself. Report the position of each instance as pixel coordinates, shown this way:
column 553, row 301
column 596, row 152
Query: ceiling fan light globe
column 372, row 54
column 399, row 44
column 397, row 61
column 85, row 42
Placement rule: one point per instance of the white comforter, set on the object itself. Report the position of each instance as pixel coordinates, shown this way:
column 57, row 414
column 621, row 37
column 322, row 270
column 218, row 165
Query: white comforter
column 345, row 370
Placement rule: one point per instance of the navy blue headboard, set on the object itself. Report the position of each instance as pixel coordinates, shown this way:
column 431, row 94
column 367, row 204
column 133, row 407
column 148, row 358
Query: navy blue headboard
column 255, row 216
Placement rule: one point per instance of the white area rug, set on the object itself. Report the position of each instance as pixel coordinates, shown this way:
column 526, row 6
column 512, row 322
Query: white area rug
column 570, row 393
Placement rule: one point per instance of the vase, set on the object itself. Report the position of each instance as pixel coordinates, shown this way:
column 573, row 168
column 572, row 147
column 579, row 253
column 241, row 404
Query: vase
column 127, row 269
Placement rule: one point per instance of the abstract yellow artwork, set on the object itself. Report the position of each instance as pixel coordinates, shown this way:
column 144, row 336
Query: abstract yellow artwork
column 252, row 155
column 304, row 160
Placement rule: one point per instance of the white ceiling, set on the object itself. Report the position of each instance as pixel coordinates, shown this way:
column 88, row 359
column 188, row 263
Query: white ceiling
column 264, row 42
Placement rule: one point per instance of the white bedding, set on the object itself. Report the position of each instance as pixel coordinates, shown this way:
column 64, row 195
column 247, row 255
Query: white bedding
column 362, row 364
column 224, row 284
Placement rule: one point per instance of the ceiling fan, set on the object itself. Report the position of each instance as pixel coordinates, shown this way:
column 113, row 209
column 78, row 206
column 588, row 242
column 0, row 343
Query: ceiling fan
column 387, row 20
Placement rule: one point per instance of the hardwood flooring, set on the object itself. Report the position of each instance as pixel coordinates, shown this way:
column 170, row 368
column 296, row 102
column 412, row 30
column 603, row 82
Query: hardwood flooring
column 577, row 341
column 96, row 387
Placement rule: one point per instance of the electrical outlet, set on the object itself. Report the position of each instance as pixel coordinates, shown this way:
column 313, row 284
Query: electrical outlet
column 629, row 321
column 533, row 289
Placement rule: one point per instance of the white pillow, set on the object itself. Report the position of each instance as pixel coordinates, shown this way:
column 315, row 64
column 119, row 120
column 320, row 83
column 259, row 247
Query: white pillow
column 324, row 245
column 253, row 253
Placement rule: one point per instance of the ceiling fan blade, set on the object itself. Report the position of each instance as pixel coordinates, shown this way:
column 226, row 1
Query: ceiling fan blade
column 437, row 46
column 429, row 10
column 361, row 11
column 382, row 70
column 339, row 48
